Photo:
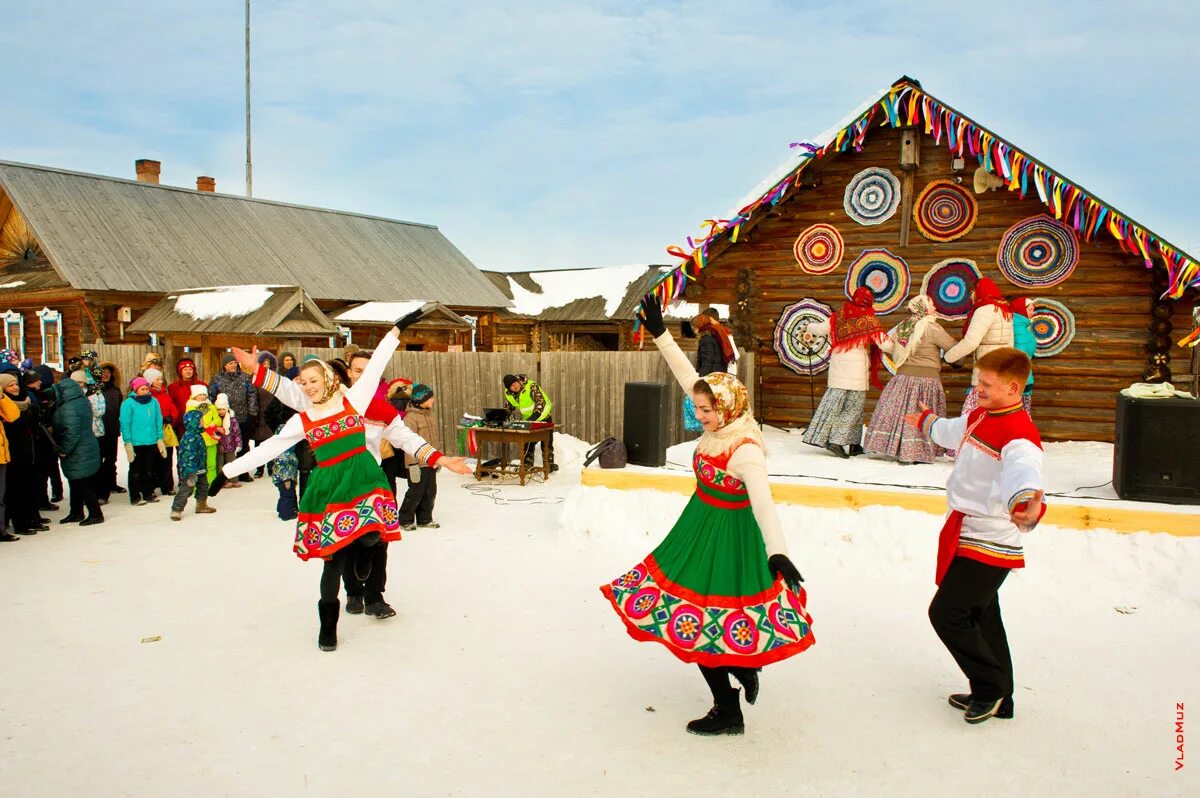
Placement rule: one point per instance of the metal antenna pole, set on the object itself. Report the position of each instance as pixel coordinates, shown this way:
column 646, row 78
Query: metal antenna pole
column 249, row 166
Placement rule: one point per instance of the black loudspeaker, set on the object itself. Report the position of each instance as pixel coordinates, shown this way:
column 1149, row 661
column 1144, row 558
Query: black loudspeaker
column 646, row 423
column 1157, row 453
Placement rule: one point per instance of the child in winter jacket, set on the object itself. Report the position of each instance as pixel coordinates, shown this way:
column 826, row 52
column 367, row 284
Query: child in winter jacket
column 142, row 431
column 192, row 456
column 285, row 474
column 231, row 440
column 417, row 508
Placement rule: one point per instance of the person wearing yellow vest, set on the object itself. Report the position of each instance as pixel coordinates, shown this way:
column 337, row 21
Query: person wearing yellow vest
column 527, row 400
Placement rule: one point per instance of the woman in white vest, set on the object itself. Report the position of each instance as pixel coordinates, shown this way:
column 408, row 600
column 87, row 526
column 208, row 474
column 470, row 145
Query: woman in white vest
column 988, row 327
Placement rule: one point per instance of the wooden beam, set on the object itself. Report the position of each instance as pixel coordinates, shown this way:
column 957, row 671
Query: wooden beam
column 1069, row 516
column 910, row 161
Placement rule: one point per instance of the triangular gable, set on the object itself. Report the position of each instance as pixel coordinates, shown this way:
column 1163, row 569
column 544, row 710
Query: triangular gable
column 906, row 104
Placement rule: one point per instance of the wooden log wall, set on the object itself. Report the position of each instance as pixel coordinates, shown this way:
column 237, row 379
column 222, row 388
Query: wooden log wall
column 1075, row 391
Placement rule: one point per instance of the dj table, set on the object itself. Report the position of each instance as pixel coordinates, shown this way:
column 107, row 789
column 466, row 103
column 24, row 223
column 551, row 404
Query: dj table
column 504, row 436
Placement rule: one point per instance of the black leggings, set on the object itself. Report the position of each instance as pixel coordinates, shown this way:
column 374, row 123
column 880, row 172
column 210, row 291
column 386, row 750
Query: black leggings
column 718, row 678
column 342, row 560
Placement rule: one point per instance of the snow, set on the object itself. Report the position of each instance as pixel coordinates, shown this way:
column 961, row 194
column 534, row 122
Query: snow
column 381, row 311
column 689, row 310
column 793, row 159
column 238, row 300
column 506, row 673
column 564, row 287
column 13, row 284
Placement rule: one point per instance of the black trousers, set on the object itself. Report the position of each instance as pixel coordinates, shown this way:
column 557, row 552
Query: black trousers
column 343, row 559
column 547, row 447
column 419, row 498
column 143, row 472
column 165, row 480
column 366, row 574
column 19, row 496
column 106, row 477
column 83, row 493
column 965, row 613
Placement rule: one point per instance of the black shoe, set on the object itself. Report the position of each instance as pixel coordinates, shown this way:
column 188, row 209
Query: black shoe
column 354, row 605
column 327, row 611
column 408, row 527
column 71, row 519
column 92, row 520
column 748, row 679
column 49, row 506
column 56, row 499
column 380, row 609
column 855, row 450
column 553, row 467
column 40, row 528
column 979, row 711
column 838, row 450
column 259, row 473
column 963, row 700
column 114, row 489
column 718, row 722
column 139, row 502
column 43, row 521
column 152, row 498
column 430, row 525
column 7, row 538
column 25, row 531
column 246, row 478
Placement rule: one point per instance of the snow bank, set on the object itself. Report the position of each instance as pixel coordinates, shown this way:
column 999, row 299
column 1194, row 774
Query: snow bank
column 221, row 302
column 564, row 287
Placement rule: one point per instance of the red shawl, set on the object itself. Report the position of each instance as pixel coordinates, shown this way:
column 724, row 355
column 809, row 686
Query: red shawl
column 1020, row 306
column 855, row 325
column 986, row 293
column 709, row 323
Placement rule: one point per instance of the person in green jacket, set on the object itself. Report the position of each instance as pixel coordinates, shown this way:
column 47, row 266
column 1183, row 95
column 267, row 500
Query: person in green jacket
column 529, row 402
column 1024, row 339
column 77, row 447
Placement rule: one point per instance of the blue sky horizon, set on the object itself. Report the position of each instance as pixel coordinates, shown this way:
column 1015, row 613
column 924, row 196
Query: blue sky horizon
column 578, row 134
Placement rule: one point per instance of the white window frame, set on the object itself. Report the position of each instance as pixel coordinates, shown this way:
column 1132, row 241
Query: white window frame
column 17, row 316
column 47, row 315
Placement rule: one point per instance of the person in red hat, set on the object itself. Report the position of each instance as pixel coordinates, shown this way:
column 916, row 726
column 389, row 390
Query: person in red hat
column 854, row 338
column 989, row 326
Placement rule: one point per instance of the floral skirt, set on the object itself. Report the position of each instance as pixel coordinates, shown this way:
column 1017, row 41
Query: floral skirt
column 887, row 434
column 341, row 503
column 838, row 420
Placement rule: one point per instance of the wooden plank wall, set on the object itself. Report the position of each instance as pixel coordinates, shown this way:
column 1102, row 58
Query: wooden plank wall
column 1109, row 293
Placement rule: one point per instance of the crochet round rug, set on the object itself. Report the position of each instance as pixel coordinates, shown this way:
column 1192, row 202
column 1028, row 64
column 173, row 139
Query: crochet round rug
column 945, row 211
column 1038, row 252
column 884, row 273
column 872, row 196
column 789, row 344
column 819, row 249
column 1053, row 326
column 949, row 284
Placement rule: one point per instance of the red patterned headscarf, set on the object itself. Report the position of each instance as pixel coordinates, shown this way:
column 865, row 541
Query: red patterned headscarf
column 987, row 293
column 856, row 325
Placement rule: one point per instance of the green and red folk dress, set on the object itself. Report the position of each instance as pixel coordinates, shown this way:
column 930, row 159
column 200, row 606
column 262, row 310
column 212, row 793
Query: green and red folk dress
column 706, row 592
column 347, row 495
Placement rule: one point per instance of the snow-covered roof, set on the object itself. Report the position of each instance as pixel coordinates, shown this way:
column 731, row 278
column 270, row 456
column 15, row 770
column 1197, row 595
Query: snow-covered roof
column 599, row 294
column 14, row 284
column 379, row 311
column 238, row 310
column 239, row 300
column 689, row 310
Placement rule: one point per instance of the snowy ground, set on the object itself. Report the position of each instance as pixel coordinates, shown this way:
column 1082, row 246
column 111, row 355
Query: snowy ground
column 505, row 672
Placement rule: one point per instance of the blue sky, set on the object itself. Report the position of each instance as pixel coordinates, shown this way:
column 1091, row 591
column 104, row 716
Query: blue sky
column 563, row 134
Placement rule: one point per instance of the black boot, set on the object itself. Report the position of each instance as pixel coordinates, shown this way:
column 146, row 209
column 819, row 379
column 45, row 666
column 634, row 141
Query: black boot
column 354, row 605
column 92, row 520
column 380, row 609
column 838, row 450
column 71, row 519
column 855, row 449
column 327, row 611
column 726, row 715
column 748, row 679
column 963, row 700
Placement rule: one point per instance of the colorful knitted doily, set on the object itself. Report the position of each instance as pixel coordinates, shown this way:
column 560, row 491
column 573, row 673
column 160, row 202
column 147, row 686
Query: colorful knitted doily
column 1053, row 326
column 949, row 284
column 1038, row 252
column 872, row 196
column 945, row 211
column 819, row 249
column 789, row 344
column 884, row 273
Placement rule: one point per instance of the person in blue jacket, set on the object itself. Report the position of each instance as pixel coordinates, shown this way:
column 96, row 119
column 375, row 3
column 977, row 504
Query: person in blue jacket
column 142, row 431
column 1026, row 341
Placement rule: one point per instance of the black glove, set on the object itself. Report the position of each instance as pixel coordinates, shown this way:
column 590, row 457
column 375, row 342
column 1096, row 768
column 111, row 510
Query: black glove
column 408, row 320
column 215, row 486
column 782, row 566
column 651, row 316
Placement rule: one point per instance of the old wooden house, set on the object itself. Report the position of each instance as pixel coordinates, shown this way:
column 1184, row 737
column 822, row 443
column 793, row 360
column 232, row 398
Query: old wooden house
column 909, row 195
column 84, row 257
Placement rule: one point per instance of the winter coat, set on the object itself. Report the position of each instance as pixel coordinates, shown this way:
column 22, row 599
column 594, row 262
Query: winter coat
column 1024, row 339
column 19, row 432
column 988, row 331
column 243, row 396
column 9, row 412
column 73, row 431
column 99, row 408
column 849, row 370
column 141, row 422
column 266, row 421
column 709, row 357
column 421, row 421
column 192, row 456
column 112, row 400
column 180, row 392
column 232, row 442
column 285, row 467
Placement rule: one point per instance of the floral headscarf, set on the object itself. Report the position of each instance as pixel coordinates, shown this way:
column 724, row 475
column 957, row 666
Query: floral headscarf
column 732, row 398
column 732, row 405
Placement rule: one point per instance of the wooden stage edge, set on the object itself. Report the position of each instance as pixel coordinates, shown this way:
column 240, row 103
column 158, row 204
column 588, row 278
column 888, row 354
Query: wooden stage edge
column 1068, row 516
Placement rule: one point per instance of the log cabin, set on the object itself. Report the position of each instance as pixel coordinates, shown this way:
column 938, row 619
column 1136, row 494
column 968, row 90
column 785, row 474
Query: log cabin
column 907, row 194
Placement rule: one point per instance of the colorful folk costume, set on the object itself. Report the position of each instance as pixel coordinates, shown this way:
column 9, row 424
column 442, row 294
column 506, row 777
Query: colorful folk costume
column 989, row 326
column 707, row 592
column 999, row 468
column 854, row 337
column 916, row 347
column 347, row 506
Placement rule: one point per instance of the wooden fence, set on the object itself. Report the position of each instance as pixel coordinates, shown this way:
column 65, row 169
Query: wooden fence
column 587, row 388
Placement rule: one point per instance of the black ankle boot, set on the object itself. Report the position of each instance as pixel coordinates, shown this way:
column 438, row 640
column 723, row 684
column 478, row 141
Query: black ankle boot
column 327, row 611
column 354, row 605
column 724, row 718
column 855, row 449
column 748, row 679
column 963, row 700
column 838, row 450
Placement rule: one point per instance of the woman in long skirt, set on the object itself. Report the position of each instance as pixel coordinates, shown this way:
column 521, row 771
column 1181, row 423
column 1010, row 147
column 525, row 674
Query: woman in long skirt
column 916, row 347
column 720, row 590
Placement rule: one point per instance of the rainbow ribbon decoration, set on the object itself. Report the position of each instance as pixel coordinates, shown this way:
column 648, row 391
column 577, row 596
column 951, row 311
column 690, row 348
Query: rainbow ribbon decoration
column 906, row 104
